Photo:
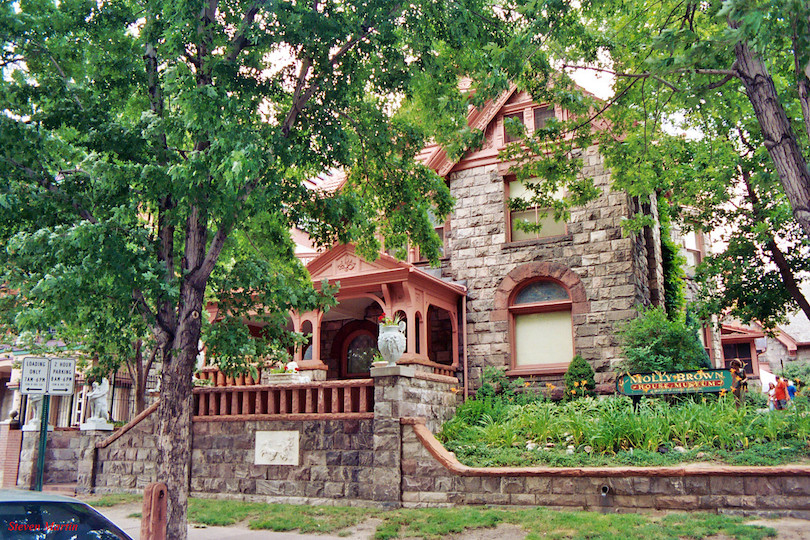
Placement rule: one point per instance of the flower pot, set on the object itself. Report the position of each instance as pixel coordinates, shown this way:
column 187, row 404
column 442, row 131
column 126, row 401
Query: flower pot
column 391, row 342
column 220, row 378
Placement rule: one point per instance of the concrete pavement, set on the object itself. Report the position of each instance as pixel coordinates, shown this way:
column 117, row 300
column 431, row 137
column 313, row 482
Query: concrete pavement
column 132, row 526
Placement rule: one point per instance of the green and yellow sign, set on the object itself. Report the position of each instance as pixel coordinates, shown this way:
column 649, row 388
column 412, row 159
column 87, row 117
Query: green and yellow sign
column 676, row 382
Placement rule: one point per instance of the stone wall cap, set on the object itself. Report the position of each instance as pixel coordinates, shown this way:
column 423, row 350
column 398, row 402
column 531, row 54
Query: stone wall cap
column 393, row 371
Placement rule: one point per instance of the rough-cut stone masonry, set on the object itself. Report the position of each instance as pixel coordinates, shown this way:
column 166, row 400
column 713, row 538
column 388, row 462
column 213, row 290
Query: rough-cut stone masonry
column 614, row 268
column 431, row 476
column 64, row 449
column 392, row 460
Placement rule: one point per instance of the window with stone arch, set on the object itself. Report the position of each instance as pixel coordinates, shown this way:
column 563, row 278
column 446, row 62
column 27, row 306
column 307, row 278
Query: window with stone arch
column 541, row 324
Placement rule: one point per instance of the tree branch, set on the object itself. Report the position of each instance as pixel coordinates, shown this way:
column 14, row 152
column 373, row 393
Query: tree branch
column 777, row 256
column 239, row 41
column 300, row 101
column 201, row 273
column 46, row 183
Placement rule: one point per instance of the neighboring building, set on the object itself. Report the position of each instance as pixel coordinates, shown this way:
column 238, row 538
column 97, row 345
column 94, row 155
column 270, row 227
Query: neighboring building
column 502, row 297
column 65, row 411
column 748, row 343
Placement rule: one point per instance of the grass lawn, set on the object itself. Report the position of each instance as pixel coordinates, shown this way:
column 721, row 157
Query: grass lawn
column 438, row 523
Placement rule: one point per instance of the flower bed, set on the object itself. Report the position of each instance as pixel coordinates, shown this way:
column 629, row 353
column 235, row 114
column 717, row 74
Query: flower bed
column 521, row 429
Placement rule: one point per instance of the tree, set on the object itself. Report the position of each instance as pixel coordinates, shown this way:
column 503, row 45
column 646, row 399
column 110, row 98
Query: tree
column 736, row 74
column 144, row 144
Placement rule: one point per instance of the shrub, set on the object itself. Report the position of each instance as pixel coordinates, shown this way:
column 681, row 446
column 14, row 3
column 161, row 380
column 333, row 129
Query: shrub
column 579, row 381
column 798, row 372
column 651, row 342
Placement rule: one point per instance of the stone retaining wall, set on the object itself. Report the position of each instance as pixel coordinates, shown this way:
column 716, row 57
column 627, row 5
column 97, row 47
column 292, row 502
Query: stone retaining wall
column 388, row 460
column 62, row 453
column 336, row 462
column 431, row 476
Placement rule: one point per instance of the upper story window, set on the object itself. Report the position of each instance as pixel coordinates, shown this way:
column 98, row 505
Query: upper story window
column 541, row 116
column 511, row 130
column 529, row 116
column 533, row 215
column 440, row 227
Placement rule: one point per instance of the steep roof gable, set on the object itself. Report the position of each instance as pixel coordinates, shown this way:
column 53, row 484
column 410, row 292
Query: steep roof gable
column 439, row 161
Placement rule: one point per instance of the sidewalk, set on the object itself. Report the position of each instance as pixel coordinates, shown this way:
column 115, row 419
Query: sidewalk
column 132, row 526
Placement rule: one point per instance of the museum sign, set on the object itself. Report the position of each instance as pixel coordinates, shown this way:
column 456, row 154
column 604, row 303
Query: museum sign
column 675, row 382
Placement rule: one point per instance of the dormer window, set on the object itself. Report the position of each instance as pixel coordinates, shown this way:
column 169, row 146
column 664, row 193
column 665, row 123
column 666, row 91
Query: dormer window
column 511, row 127
column 541, row 116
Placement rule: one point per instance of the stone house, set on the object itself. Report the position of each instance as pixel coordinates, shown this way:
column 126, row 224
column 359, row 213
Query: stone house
column 527, row 302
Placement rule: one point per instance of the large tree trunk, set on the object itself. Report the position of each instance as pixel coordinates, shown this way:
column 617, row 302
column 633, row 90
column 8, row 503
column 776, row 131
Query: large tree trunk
column 780, row 141
column 175, row 412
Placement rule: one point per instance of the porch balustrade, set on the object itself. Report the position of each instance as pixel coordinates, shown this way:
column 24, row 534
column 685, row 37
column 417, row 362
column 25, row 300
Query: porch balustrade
column 346, row 398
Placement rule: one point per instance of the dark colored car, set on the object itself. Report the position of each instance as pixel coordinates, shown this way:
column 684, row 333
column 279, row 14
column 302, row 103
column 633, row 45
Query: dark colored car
column 33, row 515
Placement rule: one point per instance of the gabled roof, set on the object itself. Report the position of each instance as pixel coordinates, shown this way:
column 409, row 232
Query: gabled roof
column 477, row 119
column 731, row 334
column 342, row 260
column 342, row 264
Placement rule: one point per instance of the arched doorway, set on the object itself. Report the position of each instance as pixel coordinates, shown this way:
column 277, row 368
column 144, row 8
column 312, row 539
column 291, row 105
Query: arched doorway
column 355, row 346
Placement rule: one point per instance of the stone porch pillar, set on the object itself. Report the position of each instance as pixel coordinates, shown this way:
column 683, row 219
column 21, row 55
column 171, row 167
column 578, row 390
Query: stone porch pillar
column 390, row 385
column 88, row 455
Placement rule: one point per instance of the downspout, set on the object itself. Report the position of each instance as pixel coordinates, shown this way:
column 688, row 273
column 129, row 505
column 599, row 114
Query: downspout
column 464, row 345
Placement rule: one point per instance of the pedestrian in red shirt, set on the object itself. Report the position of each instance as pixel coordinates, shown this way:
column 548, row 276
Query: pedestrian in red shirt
column 780, row 393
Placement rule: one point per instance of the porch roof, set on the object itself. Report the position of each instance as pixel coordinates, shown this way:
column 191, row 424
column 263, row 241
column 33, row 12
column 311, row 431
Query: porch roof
column 342, row 265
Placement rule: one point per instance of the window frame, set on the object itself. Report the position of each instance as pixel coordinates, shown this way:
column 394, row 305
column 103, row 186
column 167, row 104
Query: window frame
column 507, row 180
column 551, row 306
column 344, row 356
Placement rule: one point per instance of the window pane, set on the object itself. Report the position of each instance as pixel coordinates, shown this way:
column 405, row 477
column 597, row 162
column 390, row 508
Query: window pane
column 512, row 133
column 542, row 115
column 550, row 227
column 360, row 354
column 543, row 338
column 541, row 291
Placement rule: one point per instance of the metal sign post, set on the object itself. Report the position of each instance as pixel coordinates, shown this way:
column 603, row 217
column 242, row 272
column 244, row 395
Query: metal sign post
column 43, row 437
column 48, row 376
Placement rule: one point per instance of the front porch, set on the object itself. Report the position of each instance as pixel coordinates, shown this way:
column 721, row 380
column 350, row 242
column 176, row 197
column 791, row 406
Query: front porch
column 343, row 340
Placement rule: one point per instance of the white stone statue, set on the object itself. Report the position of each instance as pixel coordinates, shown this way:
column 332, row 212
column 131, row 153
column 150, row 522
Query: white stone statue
column 35, row 405
column 99, row 417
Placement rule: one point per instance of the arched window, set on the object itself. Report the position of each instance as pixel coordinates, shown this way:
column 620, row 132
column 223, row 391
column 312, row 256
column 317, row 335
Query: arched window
column 541, row 327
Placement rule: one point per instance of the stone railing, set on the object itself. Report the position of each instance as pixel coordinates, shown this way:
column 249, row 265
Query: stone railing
column 424, row 365
column 347, row 398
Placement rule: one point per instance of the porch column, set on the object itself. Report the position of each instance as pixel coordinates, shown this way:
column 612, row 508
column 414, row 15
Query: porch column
column 454, row 325
column 316, row 334
column 295, row 317
column 411, row 345
column 423, row 332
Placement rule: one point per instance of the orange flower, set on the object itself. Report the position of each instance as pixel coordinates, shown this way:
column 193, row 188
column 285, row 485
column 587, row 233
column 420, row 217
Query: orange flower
column 527, row 384
column 576, row 384
column 455, row 390
column 573, row 391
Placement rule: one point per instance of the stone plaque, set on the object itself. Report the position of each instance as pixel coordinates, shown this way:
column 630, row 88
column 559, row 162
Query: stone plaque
column 276, row 448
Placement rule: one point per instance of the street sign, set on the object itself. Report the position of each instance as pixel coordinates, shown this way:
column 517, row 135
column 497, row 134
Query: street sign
column 51, row 376
column 61, row 376
column 34, row 378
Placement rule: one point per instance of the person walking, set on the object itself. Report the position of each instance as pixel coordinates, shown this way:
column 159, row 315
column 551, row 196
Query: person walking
column 780, row 394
